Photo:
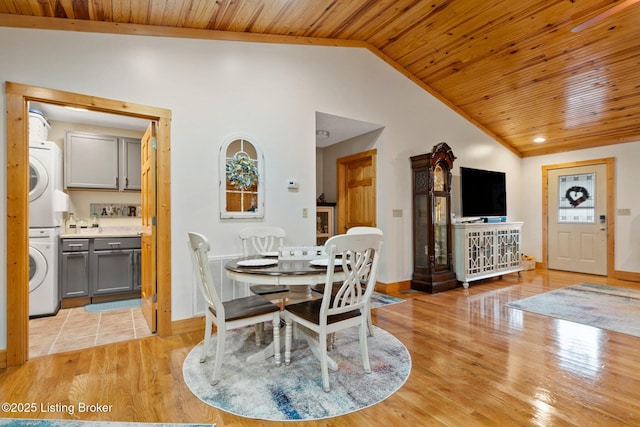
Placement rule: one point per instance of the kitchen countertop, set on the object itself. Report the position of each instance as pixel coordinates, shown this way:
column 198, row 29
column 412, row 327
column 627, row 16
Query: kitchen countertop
column 103, row 232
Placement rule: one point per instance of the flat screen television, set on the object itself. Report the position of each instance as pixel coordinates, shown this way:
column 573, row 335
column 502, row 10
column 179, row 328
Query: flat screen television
column 483, row 193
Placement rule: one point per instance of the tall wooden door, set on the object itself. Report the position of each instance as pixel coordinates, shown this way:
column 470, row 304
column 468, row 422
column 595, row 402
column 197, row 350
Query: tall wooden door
column 577, row 219
column 356, row 182
column 149, row 214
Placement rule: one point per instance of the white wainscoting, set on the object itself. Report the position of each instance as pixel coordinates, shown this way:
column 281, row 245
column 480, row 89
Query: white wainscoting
column 227, row 289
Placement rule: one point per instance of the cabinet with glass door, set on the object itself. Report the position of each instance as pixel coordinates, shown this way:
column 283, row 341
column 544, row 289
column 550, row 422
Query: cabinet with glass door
column 325, row 222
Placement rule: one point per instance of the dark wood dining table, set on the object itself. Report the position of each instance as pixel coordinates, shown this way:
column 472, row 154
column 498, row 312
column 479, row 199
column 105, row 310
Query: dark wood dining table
column 298, row 275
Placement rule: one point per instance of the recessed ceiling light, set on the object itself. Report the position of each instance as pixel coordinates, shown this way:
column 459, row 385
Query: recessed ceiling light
column 539, row 139
column 75, row 108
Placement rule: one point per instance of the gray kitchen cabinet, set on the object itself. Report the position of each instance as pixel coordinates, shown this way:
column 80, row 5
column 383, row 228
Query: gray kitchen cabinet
column 112, row 265
column 130, row 172
column 99, row 266
column 91, row 161
column 74, row 271
column 137, row 269
column 101, row 162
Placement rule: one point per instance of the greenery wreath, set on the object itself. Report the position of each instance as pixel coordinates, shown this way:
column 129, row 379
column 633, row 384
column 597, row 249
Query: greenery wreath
column 242, row 171
column 584, row 195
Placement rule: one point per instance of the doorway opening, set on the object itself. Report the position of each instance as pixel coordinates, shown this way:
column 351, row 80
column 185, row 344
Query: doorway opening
column 345, row 149
column 115, row 142
column 18, row 97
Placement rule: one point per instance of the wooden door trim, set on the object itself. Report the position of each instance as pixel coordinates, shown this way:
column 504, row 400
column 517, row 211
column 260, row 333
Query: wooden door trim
column 17, row 96
column 340, row 182
column 610, row 164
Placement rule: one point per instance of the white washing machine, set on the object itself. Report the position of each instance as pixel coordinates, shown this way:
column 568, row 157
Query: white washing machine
column 44, row 298
column 47, row 201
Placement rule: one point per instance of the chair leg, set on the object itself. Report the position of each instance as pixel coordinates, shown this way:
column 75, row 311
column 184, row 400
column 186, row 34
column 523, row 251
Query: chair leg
column 324, row 363
column 331, row 338
column 207, row 338
column 276, row 337
column 288, row 332
column 215, row 376
column 259, row 333
column 369, row 321
column 364, row 349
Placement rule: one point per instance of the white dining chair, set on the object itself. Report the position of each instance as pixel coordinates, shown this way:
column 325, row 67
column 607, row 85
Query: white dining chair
column 366, row 230
column 228, row 315
column 357, row 255
column 320, row 287
column 260, row 240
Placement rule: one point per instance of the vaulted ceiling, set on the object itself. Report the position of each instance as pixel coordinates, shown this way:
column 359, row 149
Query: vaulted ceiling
column 564, row 70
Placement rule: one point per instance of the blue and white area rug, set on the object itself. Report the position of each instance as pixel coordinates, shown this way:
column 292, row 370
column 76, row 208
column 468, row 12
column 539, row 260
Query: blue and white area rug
column 605, row 307
column 289, row 393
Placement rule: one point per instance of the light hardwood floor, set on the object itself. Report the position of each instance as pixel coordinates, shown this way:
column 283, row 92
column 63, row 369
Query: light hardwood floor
column 475, row 362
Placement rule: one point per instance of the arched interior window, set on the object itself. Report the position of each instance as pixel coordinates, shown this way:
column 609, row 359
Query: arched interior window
column 242, row 179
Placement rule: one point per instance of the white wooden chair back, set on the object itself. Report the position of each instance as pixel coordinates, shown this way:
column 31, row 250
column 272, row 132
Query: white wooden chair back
column 259, row 239
column 360, row 255
column 364, row 230
column 200, row 248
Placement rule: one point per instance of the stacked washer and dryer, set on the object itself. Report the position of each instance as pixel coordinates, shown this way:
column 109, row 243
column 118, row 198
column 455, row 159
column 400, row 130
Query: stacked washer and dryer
column 47, row 201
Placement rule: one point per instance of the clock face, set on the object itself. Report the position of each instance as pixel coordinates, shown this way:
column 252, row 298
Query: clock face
column 438, row 178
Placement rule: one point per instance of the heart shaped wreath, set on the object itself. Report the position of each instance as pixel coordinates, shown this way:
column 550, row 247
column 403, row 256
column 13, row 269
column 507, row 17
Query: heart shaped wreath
column 576, row 195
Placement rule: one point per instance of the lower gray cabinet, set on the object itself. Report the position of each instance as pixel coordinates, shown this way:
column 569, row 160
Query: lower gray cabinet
column 99, row 266
column 74, row 271
column 137, row 269
column 112, row 265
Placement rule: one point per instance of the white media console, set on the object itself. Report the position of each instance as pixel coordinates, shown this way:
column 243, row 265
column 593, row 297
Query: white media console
column 483, row 250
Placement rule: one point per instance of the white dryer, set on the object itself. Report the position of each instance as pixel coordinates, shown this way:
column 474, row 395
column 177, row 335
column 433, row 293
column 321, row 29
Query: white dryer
column 44, row 298
column 47, row 201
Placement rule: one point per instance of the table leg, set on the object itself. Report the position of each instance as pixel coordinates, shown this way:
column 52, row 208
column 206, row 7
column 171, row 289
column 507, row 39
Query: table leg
column 268, row 350
column 299, row 293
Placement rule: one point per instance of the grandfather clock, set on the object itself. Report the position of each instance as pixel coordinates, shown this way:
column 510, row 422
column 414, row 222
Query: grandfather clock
column 433, row 269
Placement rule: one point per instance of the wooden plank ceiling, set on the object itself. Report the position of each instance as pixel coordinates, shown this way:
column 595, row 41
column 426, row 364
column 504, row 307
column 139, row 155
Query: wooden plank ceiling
column 514, row 68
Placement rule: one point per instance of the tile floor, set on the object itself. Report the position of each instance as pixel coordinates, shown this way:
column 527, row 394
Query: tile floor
column 74, row 328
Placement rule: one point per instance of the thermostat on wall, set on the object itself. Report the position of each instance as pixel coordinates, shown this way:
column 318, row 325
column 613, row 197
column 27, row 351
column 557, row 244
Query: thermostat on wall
column 292, row 184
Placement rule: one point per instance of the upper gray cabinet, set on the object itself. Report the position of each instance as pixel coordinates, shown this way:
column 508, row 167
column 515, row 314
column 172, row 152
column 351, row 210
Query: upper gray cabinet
column 91, row 161
column 130, row 172
column 103, row 162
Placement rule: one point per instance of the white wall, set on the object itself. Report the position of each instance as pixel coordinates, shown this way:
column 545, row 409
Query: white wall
column 270, row 93
column 627, row 178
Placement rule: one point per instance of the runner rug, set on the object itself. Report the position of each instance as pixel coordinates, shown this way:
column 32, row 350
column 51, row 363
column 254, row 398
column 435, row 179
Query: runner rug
column 604, row 307
column 288, row 393
column 379, row 299
column 112, row 305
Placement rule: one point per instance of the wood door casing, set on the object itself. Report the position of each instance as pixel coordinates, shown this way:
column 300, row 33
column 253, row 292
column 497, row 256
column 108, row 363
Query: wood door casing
column 356, row 181
column 17, row 164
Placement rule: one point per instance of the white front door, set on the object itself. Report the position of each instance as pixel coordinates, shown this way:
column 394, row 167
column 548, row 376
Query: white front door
column 577, row 219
